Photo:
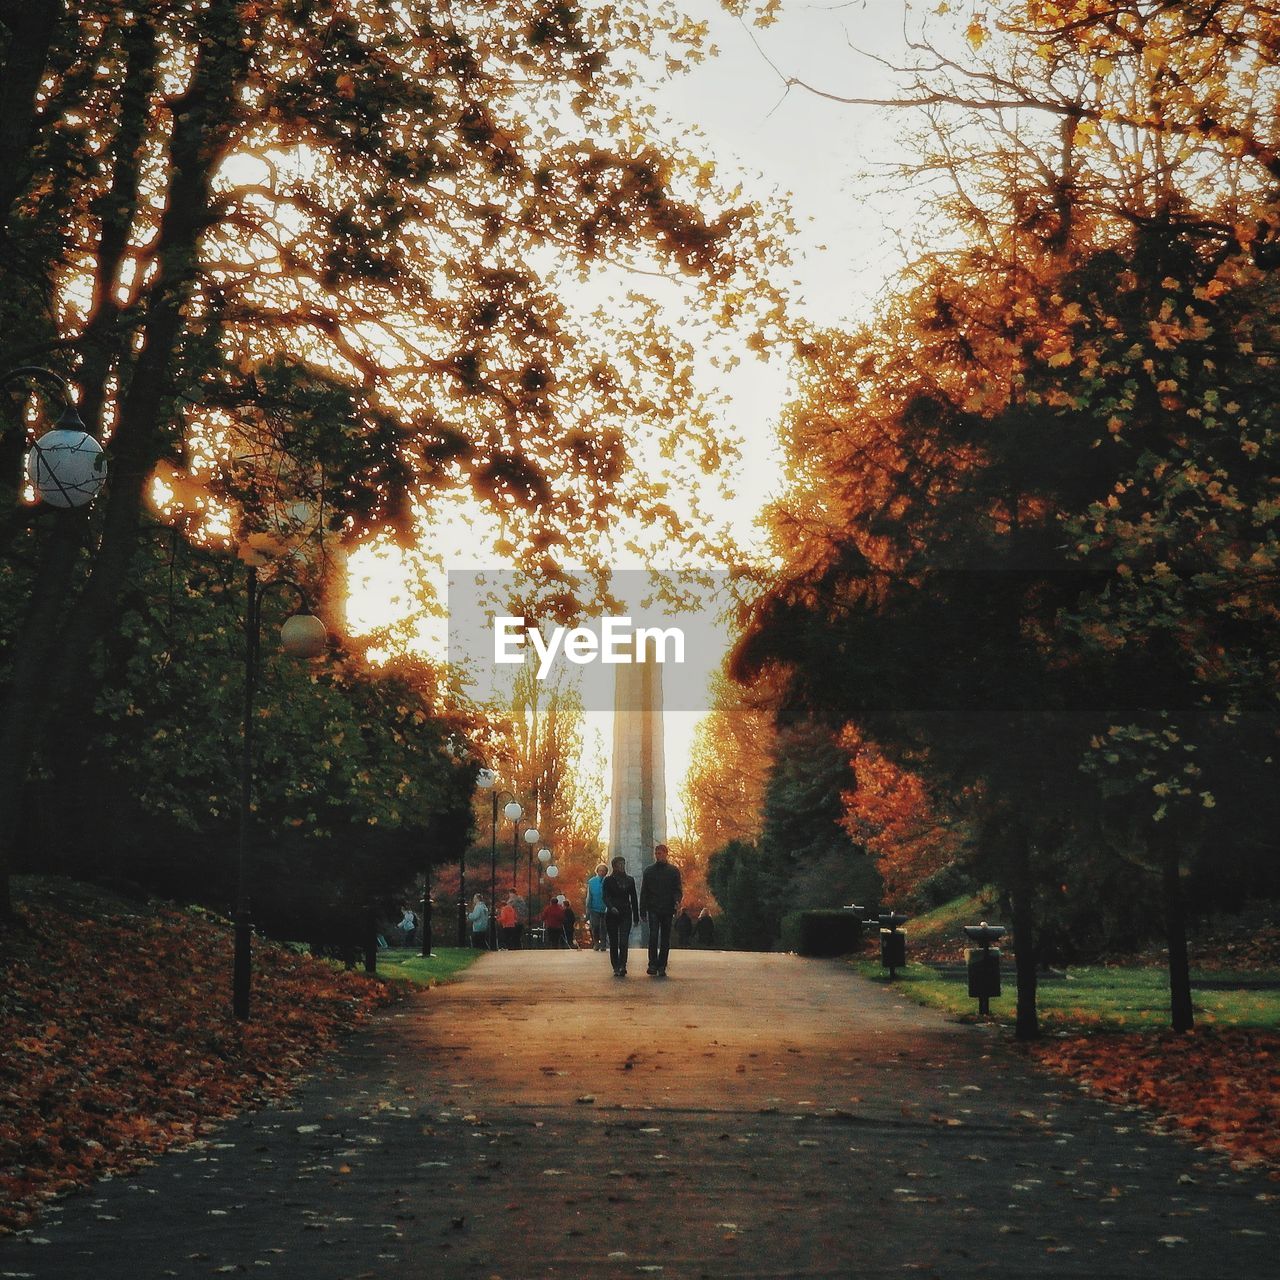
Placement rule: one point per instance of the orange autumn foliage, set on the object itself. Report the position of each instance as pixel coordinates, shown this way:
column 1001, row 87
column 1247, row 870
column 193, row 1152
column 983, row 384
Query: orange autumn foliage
column 892, row 814
column 119, row 1040
column 1219, row 1088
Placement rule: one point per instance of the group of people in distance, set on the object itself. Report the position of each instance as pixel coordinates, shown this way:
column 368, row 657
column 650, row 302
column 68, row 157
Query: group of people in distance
column 614, row 908
column 558, row 920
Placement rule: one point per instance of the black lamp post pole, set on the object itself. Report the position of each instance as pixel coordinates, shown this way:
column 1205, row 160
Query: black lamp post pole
column 493, row 868
column 242, row 963
column 515, row 856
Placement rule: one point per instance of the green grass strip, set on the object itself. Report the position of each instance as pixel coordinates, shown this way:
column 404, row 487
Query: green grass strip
column 409, row 965
column 1090, row 998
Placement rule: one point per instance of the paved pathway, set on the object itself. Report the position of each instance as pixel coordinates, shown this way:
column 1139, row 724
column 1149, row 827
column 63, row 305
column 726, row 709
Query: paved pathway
column 754, row 1116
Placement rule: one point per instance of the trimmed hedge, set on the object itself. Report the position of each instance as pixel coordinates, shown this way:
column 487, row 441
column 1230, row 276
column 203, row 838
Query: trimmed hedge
column 822, row 933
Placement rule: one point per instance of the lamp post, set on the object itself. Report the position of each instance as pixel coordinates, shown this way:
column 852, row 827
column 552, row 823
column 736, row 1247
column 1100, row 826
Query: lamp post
column 514, row 812
column 552, row 872
column 531, row 837
column 66, row 465
column 544, row 857
column 487, row 780
column 302, row 636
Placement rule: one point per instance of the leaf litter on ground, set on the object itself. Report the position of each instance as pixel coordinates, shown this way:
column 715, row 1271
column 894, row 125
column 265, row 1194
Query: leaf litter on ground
column 120, row 1042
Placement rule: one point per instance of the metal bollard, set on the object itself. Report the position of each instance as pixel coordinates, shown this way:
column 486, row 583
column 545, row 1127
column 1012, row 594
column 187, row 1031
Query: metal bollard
column 983, row 963
column 893, row 942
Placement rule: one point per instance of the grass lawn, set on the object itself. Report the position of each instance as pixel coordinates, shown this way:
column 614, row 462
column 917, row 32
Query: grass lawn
column 938, row 935
column 408, row 964
column 1091, row 998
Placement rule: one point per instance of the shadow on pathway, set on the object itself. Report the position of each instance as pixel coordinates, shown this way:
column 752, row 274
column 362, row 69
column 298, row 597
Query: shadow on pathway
column 753, row 1116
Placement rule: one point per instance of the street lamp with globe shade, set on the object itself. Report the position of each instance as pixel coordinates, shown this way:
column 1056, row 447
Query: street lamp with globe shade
column 531, row 838
column 302, row 636
column 65, row 466
column 487, row 780
column 544, row 856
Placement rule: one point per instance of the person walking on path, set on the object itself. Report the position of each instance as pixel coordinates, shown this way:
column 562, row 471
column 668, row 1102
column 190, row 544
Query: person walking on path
column 479, row 918
column 570, row 923
column 522, row 917
column 553, row 923
column 705, row 929
column 622, row 914
column 507, row 924
column 660, row 894
column 595, row 908
column 683, row 929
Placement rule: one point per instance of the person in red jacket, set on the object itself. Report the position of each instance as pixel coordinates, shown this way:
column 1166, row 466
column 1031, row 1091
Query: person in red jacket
column 553, row 923
column 507, row 920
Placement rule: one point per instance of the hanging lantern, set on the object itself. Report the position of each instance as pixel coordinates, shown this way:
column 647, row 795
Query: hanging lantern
column 513, row 811
column 303, row 636
column 66, row 466
column 486, row 779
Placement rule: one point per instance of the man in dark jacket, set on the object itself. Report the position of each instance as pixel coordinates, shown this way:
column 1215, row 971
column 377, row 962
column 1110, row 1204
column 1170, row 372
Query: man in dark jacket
column 660, row 894
column 621, row 914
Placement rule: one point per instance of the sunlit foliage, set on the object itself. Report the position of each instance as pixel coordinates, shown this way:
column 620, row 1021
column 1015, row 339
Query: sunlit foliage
column 307, row 262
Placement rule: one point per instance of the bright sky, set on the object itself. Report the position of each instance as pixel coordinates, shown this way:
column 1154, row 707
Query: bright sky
column 813, row 153
column 823, row 157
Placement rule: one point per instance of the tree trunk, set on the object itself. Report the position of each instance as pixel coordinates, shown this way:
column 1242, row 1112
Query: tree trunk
column 102, row 343
column 51, row 641
column 1182, row 1016
column 1025, row 945
column 141, row 438
column 104, row 338
column 32, row 683
column 31, row 25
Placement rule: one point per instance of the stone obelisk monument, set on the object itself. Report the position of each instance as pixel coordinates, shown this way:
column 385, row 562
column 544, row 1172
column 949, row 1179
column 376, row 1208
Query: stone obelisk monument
column 638, row 801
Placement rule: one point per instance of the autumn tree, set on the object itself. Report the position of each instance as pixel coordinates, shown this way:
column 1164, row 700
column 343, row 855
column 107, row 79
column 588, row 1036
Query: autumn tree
column 723, row 792
column 734, row 876
column 803, row 856
column 889, row 813
column 553, row 771
column 338, row 233
column 354, row 779
column 1043, row 407
column 911, row 833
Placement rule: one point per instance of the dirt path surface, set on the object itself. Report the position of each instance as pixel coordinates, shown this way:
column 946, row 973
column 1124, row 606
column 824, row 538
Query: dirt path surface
column 752, row 1116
